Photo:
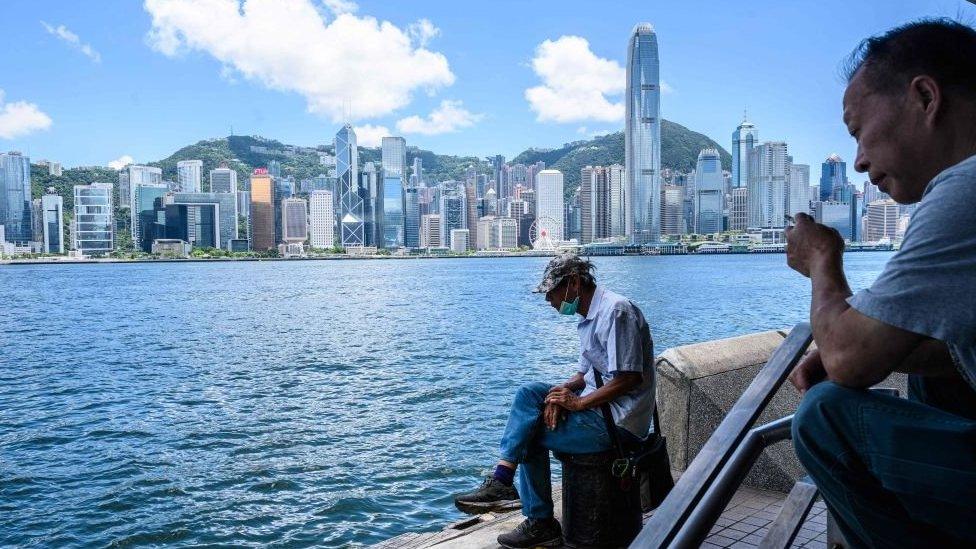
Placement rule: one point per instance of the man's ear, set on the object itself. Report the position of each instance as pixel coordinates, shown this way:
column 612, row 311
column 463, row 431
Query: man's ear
column 926, row 94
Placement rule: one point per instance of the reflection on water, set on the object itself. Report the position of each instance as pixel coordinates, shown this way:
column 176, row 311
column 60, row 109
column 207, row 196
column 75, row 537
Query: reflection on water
column 303, row 403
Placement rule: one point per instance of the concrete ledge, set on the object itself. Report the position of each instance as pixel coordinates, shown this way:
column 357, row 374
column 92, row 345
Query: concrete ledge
column 697, row 386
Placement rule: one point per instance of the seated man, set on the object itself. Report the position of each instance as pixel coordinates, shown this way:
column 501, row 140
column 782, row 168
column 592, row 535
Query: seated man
column 896, row 472
column 615, row 341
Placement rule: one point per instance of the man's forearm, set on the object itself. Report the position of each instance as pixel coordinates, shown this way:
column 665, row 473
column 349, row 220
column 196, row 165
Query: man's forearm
column 619, row 385
column 575, row 383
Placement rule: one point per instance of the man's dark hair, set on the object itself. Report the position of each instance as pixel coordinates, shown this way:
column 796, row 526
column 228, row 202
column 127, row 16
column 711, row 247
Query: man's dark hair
column 940, row 48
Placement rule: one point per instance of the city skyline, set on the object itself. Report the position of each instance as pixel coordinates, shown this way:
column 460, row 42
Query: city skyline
column 104, row 61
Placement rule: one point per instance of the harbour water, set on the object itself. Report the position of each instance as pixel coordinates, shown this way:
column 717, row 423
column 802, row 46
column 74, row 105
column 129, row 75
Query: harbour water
column 327, row 403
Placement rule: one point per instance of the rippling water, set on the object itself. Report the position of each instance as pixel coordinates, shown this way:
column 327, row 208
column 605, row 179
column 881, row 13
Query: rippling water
column 327, row 403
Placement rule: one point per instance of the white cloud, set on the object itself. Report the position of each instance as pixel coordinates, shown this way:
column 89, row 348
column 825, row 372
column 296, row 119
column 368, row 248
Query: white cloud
column 72, row 40
column 121, row 162
column 21, row 118
column 575, row 83
column 423, row 31
column 449, row 116
column 341, row 6
column 370, row 136
column 582, row 130
column 346, row 67
column 666, row 88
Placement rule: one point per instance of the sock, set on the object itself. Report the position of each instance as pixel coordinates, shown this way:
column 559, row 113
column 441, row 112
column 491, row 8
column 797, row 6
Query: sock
column 504, row 474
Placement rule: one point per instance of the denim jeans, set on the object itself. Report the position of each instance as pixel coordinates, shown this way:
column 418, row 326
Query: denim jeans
column 894, row 472
column 527, row 442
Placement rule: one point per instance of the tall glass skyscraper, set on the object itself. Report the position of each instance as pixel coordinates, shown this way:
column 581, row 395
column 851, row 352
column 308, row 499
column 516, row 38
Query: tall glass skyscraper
column 262, row 211
column 94, row 223
column 768, row 171
column 351, row 222
column 833, row 176
column 709, row 191
column 744, row 138
column 15, row 197
column 394, row 174
column 642, row 138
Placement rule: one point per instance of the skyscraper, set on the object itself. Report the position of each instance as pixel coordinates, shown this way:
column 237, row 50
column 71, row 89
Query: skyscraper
column 708, row 192
column 594, row 204
column 549, row 204
column 262, row 211
column 321, row 219
column 411, row 217
column 133, row 175
column 672, row 210
column 430, row 231
column 52, row 218
column 351, row 215
column 371, row 189
column 471, row 218
column 223, row 180
column 798, row 191
column 882, row 220
column 833, row 175
column 768, row 165
column 739, row 209
column 15, row 198
column 294, row 220
column 497, row 166
column 144, row 214
column 189, row 173
column 616, row 179
column 94, row 224
column 744, row 138
column 642, row 135
column 394, row 173
column 454, row 213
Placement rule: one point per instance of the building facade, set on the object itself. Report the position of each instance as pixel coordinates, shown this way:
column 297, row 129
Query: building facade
column 94, row 223
column 430, row 231
column 294, row 221
column 744, row 138
column 15, row 198
column 352, row 226
column 833, row 175
column 549, row 204
column 133, row 175
column 642, row 135
column 145, row 215
column 594, row 204
column 223, row 180
column 394, row 158
column 798, row 190
column 321, row 219
column 262, row 215
column 882, row 220
column 738, row 209
column 188, row 175
column 709, row 192
column 672, row 210
column 768, row 167
column 52, row 224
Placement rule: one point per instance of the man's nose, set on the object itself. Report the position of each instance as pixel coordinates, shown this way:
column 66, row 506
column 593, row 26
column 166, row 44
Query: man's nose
column 861, row 164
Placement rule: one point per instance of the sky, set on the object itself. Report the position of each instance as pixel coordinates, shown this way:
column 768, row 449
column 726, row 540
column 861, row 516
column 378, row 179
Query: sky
column 113, row 81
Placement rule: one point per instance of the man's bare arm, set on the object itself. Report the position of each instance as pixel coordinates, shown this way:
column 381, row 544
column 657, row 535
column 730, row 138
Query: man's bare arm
column 575, row 383
column 622, row 382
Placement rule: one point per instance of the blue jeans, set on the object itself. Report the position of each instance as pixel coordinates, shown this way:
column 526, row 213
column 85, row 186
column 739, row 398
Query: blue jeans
column 894, row 473
column 527, row 442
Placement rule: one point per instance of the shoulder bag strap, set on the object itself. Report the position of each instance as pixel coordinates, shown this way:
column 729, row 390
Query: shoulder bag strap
column 608, row 417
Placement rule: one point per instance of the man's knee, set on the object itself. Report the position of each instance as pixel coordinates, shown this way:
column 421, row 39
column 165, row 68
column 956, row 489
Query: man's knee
column 532, row 392
column 826, row 413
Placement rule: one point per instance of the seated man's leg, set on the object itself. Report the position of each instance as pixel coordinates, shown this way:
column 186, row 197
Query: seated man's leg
column 580, row 432
column 893, row 472
column 524, row 421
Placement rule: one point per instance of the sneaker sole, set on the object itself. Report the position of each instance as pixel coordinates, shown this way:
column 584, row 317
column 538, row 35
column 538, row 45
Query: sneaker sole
column 478, row 508
column 555, row 542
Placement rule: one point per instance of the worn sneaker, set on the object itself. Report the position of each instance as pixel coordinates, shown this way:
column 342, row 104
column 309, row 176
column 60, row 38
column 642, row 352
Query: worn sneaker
column 533, row 533
column 492, row 496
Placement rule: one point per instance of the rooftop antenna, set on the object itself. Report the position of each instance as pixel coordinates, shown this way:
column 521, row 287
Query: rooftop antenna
column 745, row 114
column 232, row 130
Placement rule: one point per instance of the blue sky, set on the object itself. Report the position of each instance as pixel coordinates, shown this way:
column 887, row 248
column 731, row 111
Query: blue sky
column 86, row 83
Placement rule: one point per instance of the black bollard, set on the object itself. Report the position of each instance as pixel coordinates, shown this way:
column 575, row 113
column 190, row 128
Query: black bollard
column 597, row 511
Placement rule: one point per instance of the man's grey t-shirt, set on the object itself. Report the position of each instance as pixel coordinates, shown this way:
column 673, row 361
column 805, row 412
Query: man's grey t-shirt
column 929, row 286
column 614, row 338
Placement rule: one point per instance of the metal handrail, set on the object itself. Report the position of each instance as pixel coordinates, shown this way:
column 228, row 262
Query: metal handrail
column 664, row 529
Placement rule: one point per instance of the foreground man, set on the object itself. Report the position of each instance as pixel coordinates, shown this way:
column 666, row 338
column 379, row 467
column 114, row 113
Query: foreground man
column 896, row 472
column 616, row 342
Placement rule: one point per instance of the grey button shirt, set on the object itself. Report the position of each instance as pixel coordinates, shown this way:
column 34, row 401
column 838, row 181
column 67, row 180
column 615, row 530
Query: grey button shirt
column 929, row 286
column 614, row 338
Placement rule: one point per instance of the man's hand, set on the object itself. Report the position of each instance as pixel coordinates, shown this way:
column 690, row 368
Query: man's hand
column 564, row 398
column 808, row 372
column 809, row 243
column 552, row 414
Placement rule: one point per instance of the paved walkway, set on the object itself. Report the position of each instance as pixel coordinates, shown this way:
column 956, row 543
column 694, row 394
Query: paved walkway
column 743, row 524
